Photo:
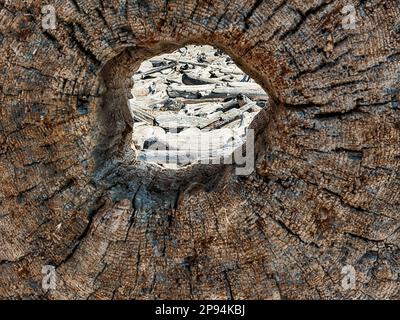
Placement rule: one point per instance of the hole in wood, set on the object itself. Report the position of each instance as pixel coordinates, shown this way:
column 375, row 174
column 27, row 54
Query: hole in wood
column 192, row 106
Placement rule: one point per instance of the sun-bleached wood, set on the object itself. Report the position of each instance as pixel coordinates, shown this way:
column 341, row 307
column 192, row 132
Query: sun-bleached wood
column 325, row 193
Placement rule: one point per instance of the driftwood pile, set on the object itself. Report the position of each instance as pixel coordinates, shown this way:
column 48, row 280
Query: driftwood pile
column 194, row 104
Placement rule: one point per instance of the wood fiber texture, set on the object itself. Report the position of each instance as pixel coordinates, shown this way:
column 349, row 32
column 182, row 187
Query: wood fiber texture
column 325, row 192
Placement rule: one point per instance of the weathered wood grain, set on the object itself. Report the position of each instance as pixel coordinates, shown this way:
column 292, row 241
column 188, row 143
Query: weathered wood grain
column 325, row 193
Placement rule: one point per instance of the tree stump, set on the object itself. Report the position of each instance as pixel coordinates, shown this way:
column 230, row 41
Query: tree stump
column 324, row 196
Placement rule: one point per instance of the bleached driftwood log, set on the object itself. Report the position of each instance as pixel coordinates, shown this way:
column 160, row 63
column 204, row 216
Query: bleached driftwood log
column 207, row 91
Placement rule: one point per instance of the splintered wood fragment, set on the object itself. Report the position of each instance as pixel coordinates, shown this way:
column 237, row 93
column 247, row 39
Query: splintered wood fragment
column 207, row 91
column 234, row 103
column 221, row 121
column 229, row 116
column 190, row 78
column 210, row 122
column 249, row 107
column 231, row 71
column 201, row 109
column 245, row 85
column 190, row 92
column 178, row 159
column 196, row 100
column 227, row 92
column 141, row 116
column 178, row 121
column 159, row 103
column 156, row 70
